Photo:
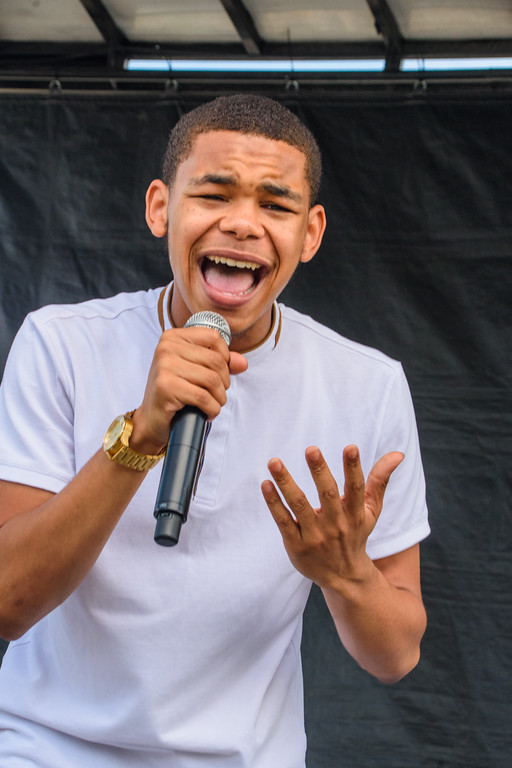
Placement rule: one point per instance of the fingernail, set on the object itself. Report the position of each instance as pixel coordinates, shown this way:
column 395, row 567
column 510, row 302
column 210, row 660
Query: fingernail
column 267, row 487
column 275, row 465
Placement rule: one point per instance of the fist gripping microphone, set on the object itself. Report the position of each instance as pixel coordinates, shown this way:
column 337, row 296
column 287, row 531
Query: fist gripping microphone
column 186, row 443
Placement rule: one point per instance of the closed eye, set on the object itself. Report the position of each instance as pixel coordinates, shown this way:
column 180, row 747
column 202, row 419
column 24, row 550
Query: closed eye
column 276, row 207
column 210, row 197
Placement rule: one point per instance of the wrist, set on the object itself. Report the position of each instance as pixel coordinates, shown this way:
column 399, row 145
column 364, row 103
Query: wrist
column 354, row 581
column 141, row 439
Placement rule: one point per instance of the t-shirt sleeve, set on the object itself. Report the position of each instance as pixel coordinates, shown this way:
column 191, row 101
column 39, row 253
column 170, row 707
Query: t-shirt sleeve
column 404, row 518
column 36, row 412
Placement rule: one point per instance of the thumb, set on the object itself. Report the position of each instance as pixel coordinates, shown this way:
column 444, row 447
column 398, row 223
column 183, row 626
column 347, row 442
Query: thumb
column 237, row 363
column 378, row 479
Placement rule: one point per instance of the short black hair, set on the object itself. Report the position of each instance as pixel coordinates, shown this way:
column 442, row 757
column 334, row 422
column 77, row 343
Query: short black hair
column 244, row 113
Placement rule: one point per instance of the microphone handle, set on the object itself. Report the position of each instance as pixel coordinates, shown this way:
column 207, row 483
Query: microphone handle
column 179, row 474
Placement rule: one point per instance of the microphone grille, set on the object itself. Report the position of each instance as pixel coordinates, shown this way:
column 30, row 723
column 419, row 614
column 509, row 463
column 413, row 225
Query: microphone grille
column 213, row 320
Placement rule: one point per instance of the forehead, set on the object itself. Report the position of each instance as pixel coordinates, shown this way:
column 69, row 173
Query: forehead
column 243, row 155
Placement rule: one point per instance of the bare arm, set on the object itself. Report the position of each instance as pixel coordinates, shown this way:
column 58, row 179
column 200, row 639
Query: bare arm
column 382, row 620
column 49, row 542
column 376, row 606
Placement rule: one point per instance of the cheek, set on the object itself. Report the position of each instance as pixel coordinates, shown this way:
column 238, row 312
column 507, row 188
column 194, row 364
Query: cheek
column 183, row 231
column 289, row 244
column 192, row 223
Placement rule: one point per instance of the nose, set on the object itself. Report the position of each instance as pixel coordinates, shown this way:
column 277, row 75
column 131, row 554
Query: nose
column 242, row 219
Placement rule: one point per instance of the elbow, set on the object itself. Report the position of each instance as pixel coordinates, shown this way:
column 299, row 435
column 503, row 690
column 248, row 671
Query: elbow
column 19, row 614
column 405, row 660
column 9, row 634
column 396, row 672
column 13, row 624
column 11, row 630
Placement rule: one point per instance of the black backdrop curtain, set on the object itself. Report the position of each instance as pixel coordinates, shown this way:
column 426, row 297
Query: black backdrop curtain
column 416, row 261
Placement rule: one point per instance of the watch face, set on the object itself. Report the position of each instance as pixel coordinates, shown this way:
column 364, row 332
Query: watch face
column 114, row 432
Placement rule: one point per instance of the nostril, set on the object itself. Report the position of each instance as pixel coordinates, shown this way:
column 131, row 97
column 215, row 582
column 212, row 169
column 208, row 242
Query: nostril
column 241, row 226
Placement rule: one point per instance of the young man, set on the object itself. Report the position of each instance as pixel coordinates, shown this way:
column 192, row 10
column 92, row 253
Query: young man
column 124, row 653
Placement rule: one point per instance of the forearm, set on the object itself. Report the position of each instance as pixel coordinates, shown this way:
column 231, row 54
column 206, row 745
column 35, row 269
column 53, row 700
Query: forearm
column 380, row 625
column 46, row 552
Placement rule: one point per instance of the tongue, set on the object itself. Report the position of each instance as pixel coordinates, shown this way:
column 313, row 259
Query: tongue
column 228, row 279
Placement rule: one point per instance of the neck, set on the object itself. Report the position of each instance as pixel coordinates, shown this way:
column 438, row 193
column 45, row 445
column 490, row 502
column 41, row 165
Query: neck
column 242, row 341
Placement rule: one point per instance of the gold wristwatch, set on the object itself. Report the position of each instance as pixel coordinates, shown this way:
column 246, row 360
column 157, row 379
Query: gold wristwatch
column 116, row 445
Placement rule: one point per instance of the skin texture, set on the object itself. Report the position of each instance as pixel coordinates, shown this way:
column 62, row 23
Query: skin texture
column 245, row 198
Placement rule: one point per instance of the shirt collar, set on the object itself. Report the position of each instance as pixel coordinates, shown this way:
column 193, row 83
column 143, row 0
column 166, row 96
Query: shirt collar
column 269, row 342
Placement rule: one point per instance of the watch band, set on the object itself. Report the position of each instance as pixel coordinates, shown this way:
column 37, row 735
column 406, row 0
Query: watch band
column 116, row 445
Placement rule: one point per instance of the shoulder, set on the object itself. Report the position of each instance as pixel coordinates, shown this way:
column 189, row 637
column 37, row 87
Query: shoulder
column 108, row 309
column 315, row 339
column 98, row 327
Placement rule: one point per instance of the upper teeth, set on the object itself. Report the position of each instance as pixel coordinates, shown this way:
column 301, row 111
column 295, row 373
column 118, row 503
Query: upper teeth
column 233, row 263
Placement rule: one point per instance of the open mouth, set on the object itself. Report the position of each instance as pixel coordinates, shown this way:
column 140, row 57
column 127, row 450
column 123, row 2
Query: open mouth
column 230, row 276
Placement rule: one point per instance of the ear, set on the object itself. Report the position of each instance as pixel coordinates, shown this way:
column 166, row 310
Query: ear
column 315, row 232
column 157, row 198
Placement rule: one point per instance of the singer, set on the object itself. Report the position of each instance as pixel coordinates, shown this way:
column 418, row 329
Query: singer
column 126, row 653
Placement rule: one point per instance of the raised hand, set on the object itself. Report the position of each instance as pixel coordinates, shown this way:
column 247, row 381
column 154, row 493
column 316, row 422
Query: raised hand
column 327, row 543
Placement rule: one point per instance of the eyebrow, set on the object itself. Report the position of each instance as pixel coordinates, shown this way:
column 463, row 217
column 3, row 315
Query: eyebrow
column 276, row 190
column 212, row 178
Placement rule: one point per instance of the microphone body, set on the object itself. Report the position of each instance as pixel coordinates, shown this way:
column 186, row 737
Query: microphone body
column 184, row 451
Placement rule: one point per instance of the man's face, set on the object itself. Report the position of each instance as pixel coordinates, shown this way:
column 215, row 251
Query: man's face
column 238, row 223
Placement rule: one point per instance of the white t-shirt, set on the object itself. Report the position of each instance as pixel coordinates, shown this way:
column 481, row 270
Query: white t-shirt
column 189, row 656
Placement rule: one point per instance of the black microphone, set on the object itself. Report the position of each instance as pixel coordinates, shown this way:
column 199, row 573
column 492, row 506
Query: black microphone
column 184, row 450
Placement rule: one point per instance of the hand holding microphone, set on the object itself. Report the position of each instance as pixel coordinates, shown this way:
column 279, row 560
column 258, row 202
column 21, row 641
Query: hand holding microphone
column 184, row 450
